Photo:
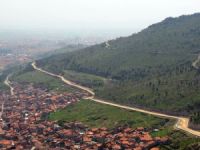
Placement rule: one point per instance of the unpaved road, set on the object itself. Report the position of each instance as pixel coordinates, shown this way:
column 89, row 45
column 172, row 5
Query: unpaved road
column 2, row 110
column 182, row 122
column 194, row 64
column 7, row 82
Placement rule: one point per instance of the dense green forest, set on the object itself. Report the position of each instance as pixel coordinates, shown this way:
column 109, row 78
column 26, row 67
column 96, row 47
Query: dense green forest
column 170, row 42
column 60, row 51
column 150, row 69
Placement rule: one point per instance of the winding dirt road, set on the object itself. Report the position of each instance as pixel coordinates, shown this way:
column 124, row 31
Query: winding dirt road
column 181, row 124
column 8, row 83
column 195, row 63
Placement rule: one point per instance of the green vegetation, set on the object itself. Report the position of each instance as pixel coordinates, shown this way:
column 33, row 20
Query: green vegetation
column 42, row 80
column 175, row 92
column 85, row 79
column 163, row 131
column 65, row 49
column 170, row 42
column 181, row 141
column 195, row 119
column 167, row 93
column 150, row 69
column 3, row 76
column 98, row 115
column 2, row 86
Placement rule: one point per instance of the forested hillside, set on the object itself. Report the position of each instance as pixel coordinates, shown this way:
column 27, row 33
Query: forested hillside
column 151, row 69
column 170, row 42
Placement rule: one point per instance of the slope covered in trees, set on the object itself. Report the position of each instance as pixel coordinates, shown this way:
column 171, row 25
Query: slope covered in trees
column 151, row 69
column 170, row 42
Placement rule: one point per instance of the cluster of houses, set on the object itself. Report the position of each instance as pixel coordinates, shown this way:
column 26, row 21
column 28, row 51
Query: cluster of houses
column 24, row 124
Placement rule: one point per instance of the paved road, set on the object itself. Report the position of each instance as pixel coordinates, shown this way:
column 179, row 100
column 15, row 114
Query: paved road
column 182, row 122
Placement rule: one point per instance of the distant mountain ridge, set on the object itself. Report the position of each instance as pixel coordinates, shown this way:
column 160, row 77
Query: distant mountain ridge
column 165, row 44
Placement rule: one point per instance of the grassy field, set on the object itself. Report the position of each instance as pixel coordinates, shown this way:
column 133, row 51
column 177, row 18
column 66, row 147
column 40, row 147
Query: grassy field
column 85, row 79
column 2, row 79
column 175, row 93
column 43, row 80
column 181, row 141
column 3, row 86
column 98, row 115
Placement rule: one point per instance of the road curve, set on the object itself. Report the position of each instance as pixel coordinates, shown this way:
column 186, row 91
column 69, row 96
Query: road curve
column 195, row 63
column 8, row 83
column 181, row 124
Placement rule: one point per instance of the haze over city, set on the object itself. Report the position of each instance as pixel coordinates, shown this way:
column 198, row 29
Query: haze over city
column 100, row 74
column 90, row 17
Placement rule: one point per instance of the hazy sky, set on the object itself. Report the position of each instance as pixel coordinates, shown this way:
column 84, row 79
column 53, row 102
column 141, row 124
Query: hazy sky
column 85, row 15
